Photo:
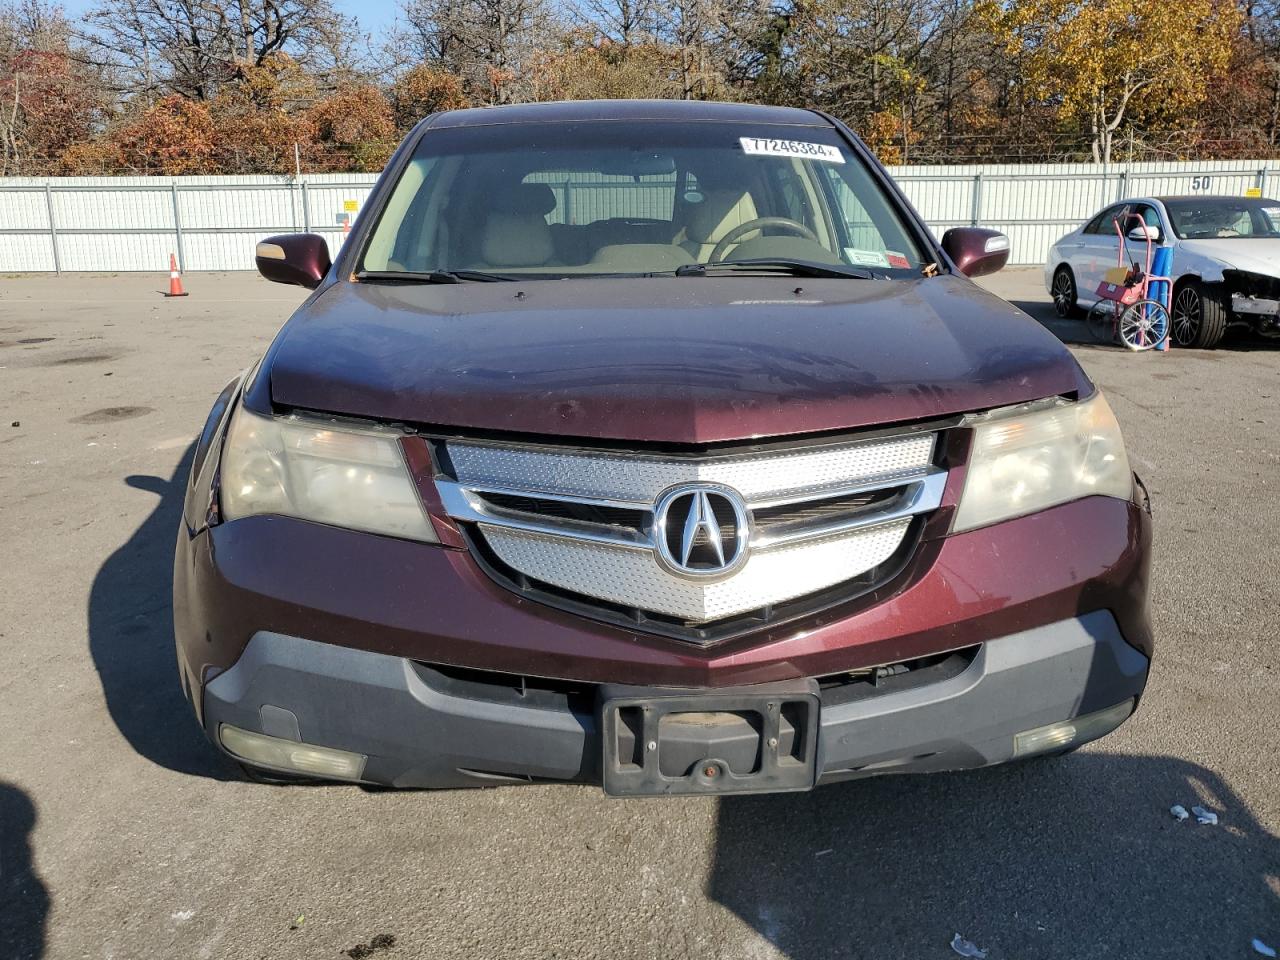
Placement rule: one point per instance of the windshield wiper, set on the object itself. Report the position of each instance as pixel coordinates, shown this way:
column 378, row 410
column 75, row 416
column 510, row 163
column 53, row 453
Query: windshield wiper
column 794, row 268
column 429, row 276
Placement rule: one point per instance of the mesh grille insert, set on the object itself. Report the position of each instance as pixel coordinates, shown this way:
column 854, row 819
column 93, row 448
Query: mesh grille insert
column 649, row 538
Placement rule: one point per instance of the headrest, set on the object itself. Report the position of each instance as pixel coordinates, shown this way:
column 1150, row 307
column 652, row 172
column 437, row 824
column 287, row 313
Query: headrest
column 516, row 240
column 527, row 200
column 704, row 219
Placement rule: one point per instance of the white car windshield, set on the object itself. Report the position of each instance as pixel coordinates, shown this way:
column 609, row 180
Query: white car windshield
column 1224, row 218
column 649, row 197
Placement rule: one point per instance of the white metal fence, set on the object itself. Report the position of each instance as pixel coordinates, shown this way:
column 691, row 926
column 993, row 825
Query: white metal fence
column 134, row 223
column 212, row 223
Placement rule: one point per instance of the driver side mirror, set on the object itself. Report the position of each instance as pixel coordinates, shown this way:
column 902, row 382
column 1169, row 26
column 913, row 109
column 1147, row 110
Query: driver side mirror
column 298, row 258
column 1142, row 232
column 976, row 251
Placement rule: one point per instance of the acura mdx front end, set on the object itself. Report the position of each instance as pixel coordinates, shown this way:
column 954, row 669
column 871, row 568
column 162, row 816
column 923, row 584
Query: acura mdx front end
column 673, row 456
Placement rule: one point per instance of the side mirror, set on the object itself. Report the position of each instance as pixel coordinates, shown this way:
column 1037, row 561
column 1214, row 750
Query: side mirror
column 1141, row 233
column 975, row 251
column 298, row 258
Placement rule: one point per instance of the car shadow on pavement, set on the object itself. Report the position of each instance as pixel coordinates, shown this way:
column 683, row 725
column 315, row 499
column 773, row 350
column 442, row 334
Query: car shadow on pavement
column 1076, row 332
column 1067, row 857
column 131, row 637
column 24, row 899
column 1073, row 331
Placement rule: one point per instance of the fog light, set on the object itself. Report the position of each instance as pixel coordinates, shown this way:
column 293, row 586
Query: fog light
column 292, row 756
column 1056, row 736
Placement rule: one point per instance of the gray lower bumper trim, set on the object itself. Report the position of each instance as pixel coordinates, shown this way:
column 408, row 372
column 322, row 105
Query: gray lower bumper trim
column 417, row 735
column 377, row 705
column 1018, row 682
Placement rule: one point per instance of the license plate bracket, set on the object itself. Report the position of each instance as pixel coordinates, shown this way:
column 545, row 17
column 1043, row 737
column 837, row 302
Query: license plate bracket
column 636, row 723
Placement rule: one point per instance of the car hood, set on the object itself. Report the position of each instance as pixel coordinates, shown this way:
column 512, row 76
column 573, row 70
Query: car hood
column 669, row 360
column 1256, row 255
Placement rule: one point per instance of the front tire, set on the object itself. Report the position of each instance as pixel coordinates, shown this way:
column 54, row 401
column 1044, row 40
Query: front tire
column 1065, row 299
column 1199, row 316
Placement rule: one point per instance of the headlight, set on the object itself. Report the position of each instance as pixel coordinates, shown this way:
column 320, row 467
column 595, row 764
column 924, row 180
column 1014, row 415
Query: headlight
column 1028, row 458
column 332, row 473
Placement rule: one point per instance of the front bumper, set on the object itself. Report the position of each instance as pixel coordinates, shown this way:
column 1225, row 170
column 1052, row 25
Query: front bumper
column 419, row 727
column 1054, row 604
column 435, row 605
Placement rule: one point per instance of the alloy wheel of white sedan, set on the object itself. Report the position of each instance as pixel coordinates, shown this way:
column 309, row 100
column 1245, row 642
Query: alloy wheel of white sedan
column 1064, row 293
column 1186, row 316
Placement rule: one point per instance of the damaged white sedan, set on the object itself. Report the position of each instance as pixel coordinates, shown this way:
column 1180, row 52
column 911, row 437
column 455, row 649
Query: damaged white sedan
column 1226, row 261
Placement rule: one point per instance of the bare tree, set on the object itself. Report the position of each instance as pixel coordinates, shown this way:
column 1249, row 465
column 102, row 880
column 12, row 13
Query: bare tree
column 192, row 47
column 487, row 42
column 624, row 22
column 1263, row 26
column 752, row 42
column 691, row 26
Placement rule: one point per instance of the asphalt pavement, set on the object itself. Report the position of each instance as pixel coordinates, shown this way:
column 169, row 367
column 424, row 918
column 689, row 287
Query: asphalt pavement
column 123, row 835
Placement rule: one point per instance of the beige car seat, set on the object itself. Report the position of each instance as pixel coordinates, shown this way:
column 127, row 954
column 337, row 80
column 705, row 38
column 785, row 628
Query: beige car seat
column 516, row 233
column 718, row 213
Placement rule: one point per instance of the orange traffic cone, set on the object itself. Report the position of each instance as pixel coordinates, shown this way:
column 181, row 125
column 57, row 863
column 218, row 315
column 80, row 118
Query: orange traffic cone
column 175, row 279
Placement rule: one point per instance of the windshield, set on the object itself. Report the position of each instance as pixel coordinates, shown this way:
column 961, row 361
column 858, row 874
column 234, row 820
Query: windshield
column 1224, row 218
column 572, row 199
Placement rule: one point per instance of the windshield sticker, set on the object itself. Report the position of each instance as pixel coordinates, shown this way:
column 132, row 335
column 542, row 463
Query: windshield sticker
column 866, row 258
column 897, row 260
column 766, row 147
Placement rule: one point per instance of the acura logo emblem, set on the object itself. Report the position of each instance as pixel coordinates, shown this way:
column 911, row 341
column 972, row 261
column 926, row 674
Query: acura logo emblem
column 701, row 530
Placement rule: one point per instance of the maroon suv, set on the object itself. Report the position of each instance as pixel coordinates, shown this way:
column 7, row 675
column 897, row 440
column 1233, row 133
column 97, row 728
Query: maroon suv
column 658, row 446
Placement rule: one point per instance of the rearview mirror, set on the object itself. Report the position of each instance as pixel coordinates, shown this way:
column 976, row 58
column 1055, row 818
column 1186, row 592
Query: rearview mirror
column 298, row 258
column 638, row 163
column 975, row 251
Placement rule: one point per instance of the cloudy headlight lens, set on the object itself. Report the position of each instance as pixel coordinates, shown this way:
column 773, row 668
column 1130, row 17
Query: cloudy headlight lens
column 1028, row 459
column 347, row 476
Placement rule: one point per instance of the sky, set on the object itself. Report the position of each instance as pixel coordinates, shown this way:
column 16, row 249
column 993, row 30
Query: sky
column 374, row 16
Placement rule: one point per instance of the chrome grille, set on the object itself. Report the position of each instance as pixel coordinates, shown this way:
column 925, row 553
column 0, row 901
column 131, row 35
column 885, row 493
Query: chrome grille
column 592, row 522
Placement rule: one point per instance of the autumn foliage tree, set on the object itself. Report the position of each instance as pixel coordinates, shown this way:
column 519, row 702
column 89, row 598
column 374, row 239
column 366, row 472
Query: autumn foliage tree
column 174, row 137
column 47, row 106
column 589, row 67
column 1107, row 62
column 48, row 100
column 1242, row 104
column 259, row 116
column 271, row 86
column 423, row 90
column 353, row 130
